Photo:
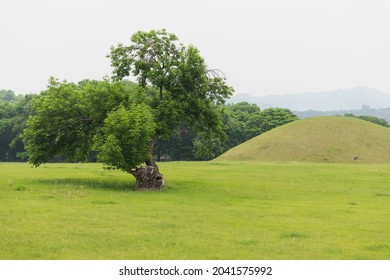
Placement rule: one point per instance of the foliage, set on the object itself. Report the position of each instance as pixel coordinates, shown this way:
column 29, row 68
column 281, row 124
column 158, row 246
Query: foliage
column 151, row 58
column 187, row 93
column 126, row 136
column 6, row 113
column 14, row 111
column 274, row 117
column 67, row 118
column 372, row 119
column 245, row 120
column 207, row 146
column 381, row 113
column 9, row 96
column 178, row 147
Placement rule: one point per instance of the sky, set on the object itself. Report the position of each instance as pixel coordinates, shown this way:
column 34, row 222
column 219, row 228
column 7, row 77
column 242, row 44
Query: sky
column 264, row 47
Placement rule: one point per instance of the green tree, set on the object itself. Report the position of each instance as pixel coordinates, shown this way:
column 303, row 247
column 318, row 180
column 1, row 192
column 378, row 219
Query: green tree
column 274, row 117
column 372, row 119
column 248, row 119
column 8, row 95
column 14, row 112
column 152, row 58
column 23, row 110
column 7, row 112
column 121, row 121
column 188, row 92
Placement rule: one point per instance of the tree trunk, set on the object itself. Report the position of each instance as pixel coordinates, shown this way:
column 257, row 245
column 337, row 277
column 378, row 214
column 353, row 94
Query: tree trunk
column 148, row 177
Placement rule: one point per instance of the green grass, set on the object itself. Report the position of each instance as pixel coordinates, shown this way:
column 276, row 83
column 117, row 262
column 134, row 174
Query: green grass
column 208, row 210
column 318, row 139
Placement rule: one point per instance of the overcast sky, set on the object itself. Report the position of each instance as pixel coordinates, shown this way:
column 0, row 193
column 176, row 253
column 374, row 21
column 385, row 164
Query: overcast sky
column 264, row 47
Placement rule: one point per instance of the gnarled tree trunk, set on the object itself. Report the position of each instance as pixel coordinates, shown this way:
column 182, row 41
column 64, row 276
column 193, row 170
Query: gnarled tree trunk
column 148, row 177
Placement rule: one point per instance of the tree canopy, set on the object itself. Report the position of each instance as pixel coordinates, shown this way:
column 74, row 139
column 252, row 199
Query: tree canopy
column 126, row 136
column 187, row 90
column 67, row 118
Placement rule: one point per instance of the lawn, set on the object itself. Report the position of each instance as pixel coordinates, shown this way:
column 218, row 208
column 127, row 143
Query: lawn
column 208, row 210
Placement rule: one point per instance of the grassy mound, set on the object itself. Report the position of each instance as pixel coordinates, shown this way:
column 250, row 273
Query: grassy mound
column 319, row 139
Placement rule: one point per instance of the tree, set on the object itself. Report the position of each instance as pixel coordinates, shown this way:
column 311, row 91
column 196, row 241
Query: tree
column 14, row 112
column 125, row 140
column 7, row 112
column 7, row 95
column 122, row 121
column 23, row 110
column 274, row 117
column 248, row 117
column 188, row 92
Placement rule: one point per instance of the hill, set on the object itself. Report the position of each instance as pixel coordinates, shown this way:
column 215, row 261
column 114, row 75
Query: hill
column 340, row 99
column 318, row 139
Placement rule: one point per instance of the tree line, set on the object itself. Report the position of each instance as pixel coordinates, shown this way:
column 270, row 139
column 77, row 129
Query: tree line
column 14, row 112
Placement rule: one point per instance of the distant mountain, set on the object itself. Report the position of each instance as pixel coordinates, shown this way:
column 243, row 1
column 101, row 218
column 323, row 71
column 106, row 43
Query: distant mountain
column 340, row 99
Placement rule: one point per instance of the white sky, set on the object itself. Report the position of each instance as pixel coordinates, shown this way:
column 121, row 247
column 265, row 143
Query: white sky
column 264, row 46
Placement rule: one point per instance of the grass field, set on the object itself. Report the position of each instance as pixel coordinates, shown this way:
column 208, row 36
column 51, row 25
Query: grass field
column 208, row 210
